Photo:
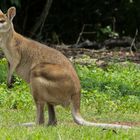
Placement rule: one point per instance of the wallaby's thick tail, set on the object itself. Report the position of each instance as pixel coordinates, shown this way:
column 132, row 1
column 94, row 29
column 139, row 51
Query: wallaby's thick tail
column 75, row 108
column 79, row 120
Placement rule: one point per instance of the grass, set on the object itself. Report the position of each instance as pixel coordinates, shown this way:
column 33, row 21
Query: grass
column 67, row 133
column 110, row 95
column 65, row 130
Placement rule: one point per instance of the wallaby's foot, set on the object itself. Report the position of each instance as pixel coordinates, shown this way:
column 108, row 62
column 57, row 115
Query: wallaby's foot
column 52, row 123
column 13, row 79
column 10, row 85
column 29, row 124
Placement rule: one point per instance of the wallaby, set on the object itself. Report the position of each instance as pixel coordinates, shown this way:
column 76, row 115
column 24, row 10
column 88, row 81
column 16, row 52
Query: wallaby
column 50, row 74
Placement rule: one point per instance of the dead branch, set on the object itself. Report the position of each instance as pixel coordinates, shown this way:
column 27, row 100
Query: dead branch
column 82, row 32
column 133, row 44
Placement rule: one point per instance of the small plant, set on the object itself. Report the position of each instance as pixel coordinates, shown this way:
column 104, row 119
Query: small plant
column 106, row 32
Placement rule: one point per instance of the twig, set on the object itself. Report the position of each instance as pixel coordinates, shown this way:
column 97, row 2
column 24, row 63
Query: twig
column 114, row 23
column 46, row 12
column 82, row 32
column 133, row 42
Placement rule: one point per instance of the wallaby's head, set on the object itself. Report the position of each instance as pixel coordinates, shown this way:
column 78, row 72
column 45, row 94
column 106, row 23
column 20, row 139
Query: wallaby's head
column 6, row 20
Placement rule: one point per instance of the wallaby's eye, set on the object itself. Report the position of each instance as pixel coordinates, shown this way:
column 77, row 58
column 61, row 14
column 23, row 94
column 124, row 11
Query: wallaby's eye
column 2, row 20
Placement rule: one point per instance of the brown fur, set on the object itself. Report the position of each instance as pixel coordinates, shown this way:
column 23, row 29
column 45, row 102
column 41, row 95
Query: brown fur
column 50, row 74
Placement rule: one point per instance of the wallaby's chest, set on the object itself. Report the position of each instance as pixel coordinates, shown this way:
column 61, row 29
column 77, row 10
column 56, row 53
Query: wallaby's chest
column 24, row 72
column 7, row 53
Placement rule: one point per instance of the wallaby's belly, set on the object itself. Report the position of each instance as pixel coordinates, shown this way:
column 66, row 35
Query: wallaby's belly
column 53, row 84
column 56, row 92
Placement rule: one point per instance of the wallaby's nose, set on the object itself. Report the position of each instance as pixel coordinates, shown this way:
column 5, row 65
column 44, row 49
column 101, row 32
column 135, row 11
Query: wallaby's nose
column 1, row 12
column 2, row 21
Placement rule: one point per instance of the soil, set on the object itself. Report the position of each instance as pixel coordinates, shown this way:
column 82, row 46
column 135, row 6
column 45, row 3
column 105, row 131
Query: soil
column 128, row 123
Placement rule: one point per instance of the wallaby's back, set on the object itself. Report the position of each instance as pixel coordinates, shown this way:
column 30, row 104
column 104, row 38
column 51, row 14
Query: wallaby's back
column 34, row 53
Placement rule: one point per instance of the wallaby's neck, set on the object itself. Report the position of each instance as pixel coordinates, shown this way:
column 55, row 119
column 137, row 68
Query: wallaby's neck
column 6, row 37
column 6, row 42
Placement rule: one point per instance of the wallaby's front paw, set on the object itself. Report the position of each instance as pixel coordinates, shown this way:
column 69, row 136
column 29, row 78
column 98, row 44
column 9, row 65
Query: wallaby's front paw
column 9, row 85
column 30, row 124
column 11, row 82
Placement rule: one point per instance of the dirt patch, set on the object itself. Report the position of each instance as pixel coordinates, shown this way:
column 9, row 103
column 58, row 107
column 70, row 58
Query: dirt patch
column 101, row 56
column 128, row 123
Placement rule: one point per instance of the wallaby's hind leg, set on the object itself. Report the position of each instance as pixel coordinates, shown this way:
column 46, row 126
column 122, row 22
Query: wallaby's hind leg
column 40, row 112
column 39, row 104
column 51, row 112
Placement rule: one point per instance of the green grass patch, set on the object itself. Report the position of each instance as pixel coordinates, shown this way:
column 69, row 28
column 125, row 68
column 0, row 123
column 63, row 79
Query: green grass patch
column 65, row 130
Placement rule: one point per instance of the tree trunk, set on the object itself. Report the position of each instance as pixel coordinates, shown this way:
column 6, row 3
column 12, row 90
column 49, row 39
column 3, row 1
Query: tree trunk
column 41, row 21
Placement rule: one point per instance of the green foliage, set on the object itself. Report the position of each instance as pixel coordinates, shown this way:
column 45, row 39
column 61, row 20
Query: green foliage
column 16, row 2
column 3, row 70
column 17, row 97
column 5, row 4
column 107, row 32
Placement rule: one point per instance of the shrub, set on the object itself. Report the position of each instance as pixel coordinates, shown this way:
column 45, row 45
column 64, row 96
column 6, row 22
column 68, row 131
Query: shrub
column 115, row 89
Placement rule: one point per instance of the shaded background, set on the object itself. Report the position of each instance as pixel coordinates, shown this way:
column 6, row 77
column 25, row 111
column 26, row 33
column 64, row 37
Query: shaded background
column 65, row 19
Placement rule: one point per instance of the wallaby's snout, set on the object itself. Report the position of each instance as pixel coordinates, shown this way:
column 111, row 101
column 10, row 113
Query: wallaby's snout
column 3, row 22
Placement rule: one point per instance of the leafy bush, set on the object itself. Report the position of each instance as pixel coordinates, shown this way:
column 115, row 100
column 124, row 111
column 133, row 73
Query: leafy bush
column 17, row 97
column 111, row 90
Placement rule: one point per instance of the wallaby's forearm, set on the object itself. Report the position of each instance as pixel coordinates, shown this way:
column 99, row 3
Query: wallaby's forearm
column 9, row 83
column 10, row 77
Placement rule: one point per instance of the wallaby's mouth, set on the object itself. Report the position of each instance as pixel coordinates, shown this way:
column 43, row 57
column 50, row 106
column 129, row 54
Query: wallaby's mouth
column 2, row 25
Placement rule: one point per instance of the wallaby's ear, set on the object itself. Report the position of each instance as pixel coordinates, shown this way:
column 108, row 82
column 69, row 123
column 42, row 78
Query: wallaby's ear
column 11, row 13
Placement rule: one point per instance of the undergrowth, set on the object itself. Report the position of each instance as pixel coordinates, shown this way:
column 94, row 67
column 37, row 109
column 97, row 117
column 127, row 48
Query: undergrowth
column 116, row 88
